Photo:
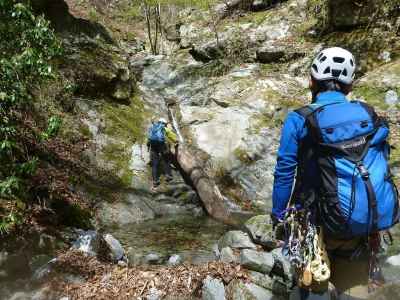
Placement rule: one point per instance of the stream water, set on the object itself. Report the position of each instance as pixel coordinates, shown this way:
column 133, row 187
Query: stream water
column 191, row 238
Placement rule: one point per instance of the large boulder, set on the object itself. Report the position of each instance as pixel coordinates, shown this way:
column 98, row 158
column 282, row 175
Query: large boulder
column 257, row 260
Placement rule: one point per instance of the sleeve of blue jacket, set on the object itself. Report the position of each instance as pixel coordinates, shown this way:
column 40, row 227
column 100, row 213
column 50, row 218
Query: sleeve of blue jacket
column 293, row 131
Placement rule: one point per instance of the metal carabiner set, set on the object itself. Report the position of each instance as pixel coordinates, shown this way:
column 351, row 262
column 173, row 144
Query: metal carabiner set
column 305, row 248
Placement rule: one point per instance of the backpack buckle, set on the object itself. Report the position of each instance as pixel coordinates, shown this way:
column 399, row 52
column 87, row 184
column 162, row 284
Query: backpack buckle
column 363, row 171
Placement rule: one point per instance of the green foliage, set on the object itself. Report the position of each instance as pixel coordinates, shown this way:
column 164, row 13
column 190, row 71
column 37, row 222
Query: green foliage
column 9, row 221
column 27, row 47
column 53, row 128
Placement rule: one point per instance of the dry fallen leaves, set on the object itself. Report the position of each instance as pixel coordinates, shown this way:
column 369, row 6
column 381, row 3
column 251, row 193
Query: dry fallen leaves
column 106, row 281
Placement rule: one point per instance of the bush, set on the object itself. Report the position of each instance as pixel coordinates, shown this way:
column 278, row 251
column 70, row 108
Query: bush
column 27, row 45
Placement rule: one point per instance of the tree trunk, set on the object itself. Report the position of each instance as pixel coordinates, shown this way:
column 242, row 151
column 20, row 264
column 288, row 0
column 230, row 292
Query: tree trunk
column 206, row 188
column 192, row 169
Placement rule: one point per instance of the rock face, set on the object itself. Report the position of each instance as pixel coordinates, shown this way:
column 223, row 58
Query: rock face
column 345, row 14
column 62, row 20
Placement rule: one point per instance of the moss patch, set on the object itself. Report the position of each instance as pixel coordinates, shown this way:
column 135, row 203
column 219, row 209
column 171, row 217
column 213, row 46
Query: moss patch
column 126, row 122
column 125, row 125
column 373, row 95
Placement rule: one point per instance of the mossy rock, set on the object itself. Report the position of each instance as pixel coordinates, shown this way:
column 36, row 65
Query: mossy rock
column 260, row 230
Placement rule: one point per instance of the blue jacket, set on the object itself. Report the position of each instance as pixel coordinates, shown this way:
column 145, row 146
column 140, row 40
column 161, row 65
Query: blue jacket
column 293, row 132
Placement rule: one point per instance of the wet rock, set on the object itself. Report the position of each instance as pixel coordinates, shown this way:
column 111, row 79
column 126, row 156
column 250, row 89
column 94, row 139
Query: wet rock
column 257, row 261
column 153, row 258
column 87, row 242
column 116, row 252
column 239, row 290
column 213, row 289
column 174, row 260
column 236, row 240
column 261, row 232
column 227, row 255
column 391, row 97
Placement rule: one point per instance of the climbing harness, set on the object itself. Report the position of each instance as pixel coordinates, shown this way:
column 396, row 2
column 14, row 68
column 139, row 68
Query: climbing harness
column 305, row 248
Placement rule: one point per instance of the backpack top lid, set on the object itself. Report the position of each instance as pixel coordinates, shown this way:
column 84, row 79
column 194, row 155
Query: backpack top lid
column 341, row 122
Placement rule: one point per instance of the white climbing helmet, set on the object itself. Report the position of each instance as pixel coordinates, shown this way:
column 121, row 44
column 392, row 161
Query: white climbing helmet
column 334, row 63
column 162, row 120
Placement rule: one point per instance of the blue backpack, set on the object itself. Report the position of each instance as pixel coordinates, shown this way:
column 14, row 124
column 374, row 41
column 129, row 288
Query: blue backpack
column 157, row 133
column 351, row 187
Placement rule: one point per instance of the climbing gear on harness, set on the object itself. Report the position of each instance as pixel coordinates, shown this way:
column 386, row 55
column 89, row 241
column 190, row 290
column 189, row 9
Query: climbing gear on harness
column 305, row 248
column 347, row 144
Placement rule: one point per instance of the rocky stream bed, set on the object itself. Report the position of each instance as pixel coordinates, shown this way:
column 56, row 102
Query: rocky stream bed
column 230, row 87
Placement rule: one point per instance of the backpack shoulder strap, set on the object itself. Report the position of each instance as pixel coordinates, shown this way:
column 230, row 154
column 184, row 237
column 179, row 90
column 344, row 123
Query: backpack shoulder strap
column 308, row 113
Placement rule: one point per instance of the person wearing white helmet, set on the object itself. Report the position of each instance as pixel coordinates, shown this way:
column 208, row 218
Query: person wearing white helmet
column 323, row 167
column 160, row 137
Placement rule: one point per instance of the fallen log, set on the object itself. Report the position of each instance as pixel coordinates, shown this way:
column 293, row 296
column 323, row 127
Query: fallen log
column 206, row 188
